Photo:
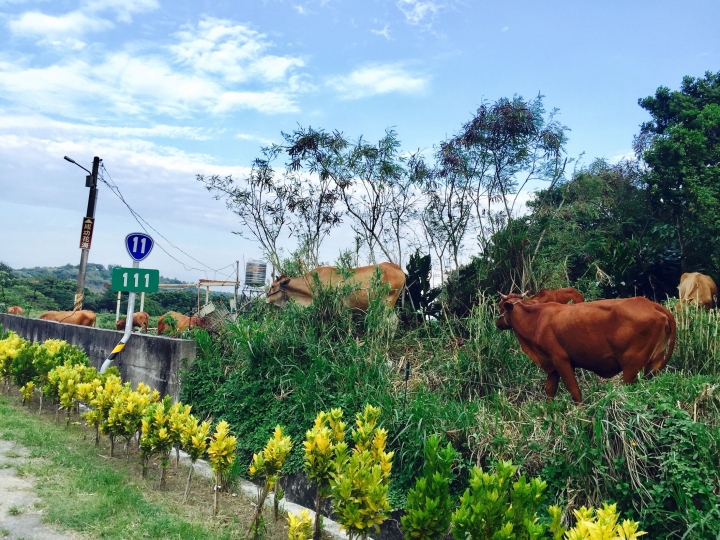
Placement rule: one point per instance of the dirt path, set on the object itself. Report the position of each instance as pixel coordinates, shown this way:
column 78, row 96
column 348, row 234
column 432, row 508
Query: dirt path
column 19, row 513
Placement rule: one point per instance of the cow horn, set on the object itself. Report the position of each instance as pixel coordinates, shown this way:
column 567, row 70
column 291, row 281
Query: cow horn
column 502, row 296
column 525, row 293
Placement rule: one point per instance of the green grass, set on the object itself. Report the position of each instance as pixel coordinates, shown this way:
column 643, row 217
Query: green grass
column 82, row 492
column 15, row 510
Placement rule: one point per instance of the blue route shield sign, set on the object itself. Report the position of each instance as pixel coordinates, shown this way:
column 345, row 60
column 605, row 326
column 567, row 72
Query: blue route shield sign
column 139, row 245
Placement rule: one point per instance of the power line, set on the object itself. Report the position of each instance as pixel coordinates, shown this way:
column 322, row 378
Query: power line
column 116, row 191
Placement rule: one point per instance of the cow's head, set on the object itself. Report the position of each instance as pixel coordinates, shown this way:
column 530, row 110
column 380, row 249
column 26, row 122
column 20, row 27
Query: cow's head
column 507, row 301
column 277, row 295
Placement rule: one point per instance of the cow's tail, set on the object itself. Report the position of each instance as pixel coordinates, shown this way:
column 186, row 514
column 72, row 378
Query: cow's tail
column 656, row 364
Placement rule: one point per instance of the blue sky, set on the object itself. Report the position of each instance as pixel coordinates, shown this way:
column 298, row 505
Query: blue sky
column 164, row 90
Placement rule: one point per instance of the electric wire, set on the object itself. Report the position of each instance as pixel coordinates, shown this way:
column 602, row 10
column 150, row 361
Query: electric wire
column 116, row 191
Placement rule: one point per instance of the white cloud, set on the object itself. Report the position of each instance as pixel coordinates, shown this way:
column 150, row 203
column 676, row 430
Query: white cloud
column 66, row 30
column 124, row 9
column 416, row 11
column 385, row 32
column 233, row 51
column 55, row 128
column 505, row 29
column 377, row 79
column 216, row 67
column 264, row 102
column 62, row 30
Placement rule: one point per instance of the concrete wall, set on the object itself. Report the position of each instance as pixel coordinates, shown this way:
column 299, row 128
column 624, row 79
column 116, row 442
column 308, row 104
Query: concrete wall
column 153, row 360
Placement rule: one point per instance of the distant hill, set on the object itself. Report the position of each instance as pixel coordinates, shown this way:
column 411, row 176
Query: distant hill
column 44, row 288
column 96, row 276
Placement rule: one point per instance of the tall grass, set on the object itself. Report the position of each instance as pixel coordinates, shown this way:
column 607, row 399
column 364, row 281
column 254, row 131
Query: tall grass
column 698, row 340
column 653, row 447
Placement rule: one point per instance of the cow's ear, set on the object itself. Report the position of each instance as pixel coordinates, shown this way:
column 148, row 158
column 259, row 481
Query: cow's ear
column 284, row 282
column 508, row 305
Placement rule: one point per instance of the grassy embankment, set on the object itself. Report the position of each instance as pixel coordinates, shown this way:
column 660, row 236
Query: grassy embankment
column 83, row 490
column 653, row 447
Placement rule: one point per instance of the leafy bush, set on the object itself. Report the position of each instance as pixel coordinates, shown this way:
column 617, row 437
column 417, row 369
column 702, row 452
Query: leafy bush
column 360, row 484
column 429, row 505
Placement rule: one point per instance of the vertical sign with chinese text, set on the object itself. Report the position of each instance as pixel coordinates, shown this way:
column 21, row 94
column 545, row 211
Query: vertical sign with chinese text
column 87, row 230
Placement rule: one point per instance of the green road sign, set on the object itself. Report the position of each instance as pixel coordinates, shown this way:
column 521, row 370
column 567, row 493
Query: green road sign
column 135, row 280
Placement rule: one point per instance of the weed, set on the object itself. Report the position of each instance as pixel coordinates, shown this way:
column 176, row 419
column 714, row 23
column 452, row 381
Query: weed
column 15, row 510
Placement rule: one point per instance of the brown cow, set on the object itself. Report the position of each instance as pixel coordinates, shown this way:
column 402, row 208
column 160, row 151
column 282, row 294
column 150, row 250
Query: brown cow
column 605, row 337
column 183, row 322
column 84, row 317
column 284, row 288
column 140, row 320
column 561, row 296
column 698, row 289
column 15, row 310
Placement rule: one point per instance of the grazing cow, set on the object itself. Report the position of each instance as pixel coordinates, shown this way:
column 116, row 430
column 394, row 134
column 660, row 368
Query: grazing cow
column 84, row 317
column 605, row 337
column 699, row 290
column 140, row 320
column 284, row 288
column 15, row 310
column 183, row 322
column 561, row 296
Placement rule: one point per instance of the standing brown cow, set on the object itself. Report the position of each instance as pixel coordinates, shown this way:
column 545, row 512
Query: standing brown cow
column 140, row 320
column 84, row 317
column 698, row 289
column 15, row 310
column 300, row 288
column 561, row 296
column 605, row 337
column 183, row 322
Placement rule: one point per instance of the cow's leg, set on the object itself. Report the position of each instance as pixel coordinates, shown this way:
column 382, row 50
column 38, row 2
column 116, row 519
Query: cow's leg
column 630, row 375
column 567, row 374
column 551, row 384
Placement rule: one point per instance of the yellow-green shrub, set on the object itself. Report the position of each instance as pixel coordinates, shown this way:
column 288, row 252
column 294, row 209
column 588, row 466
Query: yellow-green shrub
column 300, row 527
column 125, row 416
column 320, row 442
column 156, row 437
column 27, row 391
column 101, row 399
column 595, row 525
column 9, row 349
column 179, row 415
column 360, row 484
column 194, row 441
column 267, row 465
column 222, row 455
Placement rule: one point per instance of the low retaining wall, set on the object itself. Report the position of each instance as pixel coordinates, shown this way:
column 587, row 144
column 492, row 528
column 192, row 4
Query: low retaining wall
column 153, row 360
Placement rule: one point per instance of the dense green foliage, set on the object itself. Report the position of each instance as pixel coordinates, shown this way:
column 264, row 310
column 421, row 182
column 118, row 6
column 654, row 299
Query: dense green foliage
column 54, row 289
column 470, row 383
column 429, row 505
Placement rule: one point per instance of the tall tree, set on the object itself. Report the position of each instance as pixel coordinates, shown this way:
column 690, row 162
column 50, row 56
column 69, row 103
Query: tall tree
column 504, row 147
column 681, row 146
column 260, row 201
